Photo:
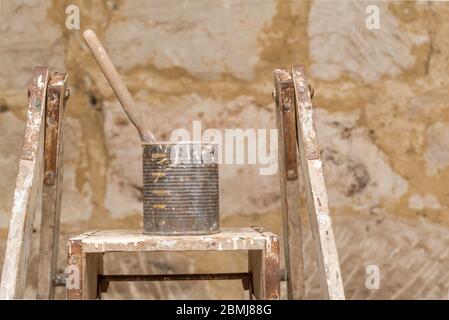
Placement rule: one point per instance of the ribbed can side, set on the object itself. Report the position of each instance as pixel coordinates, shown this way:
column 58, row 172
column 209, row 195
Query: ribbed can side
column 180, row 193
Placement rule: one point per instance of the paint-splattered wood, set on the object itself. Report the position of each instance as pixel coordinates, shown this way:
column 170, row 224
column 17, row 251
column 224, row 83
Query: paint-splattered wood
column 284, row 96
column 264, row 267
column 83, row 269
column 85, row 252
column 29, row 182
column 317, row 201
column 135, row 240
column 57, row 95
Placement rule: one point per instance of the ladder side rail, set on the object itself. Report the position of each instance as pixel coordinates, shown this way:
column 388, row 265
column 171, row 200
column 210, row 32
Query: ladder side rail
column 57, row 95
column 28, row 186
column 317, row 201
column 284, row 97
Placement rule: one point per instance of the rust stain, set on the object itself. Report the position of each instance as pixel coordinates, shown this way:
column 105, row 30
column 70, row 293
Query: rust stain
column 284, row 97
column 56, row 99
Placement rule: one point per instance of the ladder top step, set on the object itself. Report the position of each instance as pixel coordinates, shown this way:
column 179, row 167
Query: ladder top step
column 134, row 240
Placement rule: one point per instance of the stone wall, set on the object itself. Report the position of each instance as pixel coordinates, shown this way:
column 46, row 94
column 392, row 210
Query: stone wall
column 382, row 115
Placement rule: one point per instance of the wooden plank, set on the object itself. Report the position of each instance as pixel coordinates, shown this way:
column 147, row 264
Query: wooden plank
column 85, row 255
column 57, row 94
column 93, row 267
column 83, row 271
column 76, row 266
column 317, row 201
column 29, row 181
column 256, row 267
column 264, row 268
column 284, row 96
column 272, row 274
column 75, row 274
column 135, row 240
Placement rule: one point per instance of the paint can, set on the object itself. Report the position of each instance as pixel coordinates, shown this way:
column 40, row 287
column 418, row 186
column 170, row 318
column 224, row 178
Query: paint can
column 180, row 188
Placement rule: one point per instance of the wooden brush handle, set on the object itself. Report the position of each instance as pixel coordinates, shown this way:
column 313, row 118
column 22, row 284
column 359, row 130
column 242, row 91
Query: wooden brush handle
column 116, row 83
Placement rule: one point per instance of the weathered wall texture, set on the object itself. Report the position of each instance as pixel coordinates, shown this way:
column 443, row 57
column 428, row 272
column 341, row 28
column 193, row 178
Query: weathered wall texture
column 382, row 113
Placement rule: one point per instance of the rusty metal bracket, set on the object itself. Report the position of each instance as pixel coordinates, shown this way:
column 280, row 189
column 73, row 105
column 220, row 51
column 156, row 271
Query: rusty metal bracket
column 284, row 97
column 303, row 103
column 57, row 95
column 60, row 280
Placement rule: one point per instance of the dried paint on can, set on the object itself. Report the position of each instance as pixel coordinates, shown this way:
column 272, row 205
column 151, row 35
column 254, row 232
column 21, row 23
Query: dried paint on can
column 180, row 188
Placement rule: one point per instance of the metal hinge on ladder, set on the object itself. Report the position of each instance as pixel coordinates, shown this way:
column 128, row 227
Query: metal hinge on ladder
column 60, row 280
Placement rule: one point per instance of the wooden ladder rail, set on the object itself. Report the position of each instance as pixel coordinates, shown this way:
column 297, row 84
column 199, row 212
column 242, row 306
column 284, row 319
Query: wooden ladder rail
column 57, row 96
column 292, row 95
column 284, row 96
column 41, row 154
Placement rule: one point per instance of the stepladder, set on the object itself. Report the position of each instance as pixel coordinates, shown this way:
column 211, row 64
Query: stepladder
column 39, row 176
column 86, row 278
column 299, row 148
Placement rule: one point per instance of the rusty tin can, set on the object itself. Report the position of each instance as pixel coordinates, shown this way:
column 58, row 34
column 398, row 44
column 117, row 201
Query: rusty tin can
column 180, row 188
